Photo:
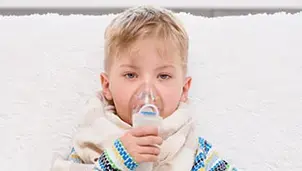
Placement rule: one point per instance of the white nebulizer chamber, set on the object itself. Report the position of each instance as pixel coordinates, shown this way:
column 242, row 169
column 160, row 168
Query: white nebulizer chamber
column 146, row 104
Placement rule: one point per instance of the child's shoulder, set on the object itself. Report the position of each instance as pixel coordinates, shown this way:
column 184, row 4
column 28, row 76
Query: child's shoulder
column 207, row 158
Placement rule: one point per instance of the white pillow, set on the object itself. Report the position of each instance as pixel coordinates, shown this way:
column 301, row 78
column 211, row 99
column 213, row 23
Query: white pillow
column 246, row 74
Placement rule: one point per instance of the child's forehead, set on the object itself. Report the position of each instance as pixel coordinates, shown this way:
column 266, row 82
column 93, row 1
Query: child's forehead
column 155, row 59
column 151, row 50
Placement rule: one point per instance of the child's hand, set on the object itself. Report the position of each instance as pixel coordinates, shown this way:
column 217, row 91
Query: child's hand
column 141, row 143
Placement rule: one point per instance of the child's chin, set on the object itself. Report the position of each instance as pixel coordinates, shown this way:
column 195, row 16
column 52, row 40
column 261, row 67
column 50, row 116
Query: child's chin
column 164, row 116
column 126, row 120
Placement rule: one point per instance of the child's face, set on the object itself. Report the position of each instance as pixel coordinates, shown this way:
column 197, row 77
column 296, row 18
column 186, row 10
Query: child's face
column 145, row 63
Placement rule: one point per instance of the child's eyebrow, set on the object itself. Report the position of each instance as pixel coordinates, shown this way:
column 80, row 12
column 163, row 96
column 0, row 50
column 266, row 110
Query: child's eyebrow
column 136, row 67
column 128, row 66
column 165, row 66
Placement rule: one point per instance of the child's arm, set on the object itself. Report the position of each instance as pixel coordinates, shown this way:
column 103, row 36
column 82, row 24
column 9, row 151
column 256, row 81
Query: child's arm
column 208, row 159
column 123, row 154
column 109, row 160
column 214, row 162
column 73, row 163
column 104, row 163
column 74, row 157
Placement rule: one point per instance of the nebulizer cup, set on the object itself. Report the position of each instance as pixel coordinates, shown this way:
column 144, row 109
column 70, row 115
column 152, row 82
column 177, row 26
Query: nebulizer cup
column 146, row 104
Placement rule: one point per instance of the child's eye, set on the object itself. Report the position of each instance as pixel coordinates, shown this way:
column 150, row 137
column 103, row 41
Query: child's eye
column 164, row 76
column 130, row 75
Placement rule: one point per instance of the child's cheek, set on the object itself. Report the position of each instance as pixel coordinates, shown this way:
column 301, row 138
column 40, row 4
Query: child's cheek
column 126, row 92
column 171, row 97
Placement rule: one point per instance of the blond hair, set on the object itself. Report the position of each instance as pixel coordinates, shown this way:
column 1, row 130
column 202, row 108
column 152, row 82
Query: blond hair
column 141, row 22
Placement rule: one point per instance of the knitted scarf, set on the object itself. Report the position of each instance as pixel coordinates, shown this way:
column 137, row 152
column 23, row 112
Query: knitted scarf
column 101, row 127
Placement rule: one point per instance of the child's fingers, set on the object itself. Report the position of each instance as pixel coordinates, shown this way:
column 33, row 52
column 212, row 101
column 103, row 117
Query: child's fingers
column 144, row 131
column 152, row 150
column 149, row 140
column 146, row 158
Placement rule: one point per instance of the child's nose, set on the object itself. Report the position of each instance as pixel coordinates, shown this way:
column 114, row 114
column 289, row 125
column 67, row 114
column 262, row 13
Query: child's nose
column 147, row 79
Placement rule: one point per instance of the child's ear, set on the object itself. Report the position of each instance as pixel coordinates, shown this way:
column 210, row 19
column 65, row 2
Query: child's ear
column 105, row 86
column 186, row 88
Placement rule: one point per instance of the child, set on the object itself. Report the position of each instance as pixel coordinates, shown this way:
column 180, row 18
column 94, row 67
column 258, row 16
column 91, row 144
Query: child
column 143, row 46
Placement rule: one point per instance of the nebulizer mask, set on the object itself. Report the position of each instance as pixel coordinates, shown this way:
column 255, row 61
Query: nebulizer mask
column 146, row 104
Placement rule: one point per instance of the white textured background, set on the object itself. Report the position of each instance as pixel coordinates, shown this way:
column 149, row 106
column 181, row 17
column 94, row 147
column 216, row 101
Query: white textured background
column 247, row 75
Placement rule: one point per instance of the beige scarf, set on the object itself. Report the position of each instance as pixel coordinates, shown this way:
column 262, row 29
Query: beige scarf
column 102, row 126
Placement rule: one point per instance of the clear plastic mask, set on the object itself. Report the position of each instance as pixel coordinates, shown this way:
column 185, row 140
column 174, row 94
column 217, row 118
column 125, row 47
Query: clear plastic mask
column 146, row 102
